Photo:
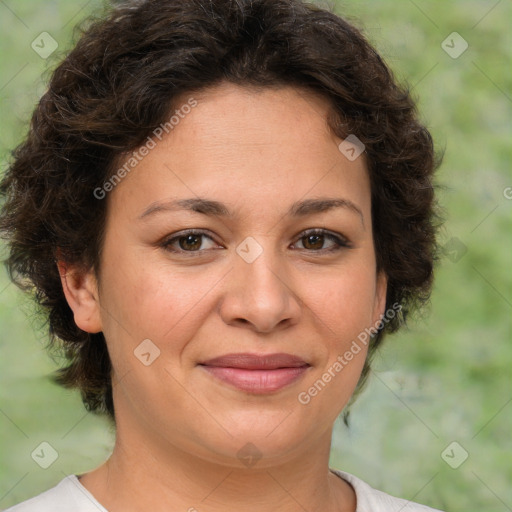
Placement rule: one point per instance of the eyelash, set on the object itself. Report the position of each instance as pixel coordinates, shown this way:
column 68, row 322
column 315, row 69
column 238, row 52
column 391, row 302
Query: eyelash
column 339, row 241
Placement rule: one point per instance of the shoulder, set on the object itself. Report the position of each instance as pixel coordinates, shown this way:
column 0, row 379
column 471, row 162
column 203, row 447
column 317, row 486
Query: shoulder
column 68, row 495
column 371, row 500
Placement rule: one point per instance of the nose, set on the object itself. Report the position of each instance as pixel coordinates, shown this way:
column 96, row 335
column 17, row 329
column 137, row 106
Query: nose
column 259, row 294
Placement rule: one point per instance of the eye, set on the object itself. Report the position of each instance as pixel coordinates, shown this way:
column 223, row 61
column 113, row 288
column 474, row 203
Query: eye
column 314, row 239
column 187, row 241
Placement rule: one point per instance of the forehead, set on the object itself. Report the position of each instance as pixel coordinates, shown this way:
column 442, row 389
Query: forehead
column 259, row 144
column 248, row 115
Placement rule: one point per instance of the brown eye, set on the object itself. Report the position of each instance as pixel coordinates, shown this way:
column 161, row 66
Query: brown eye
column 188, row 242
column 314, row 240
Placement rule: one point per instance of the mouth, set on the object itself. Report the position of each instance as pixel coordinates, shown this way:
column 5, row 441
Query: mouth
column 257, row 374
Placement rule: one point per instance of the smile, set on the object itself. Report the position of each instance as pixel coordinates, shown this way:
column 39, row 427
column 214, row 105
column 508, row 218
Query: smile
column 257, row 374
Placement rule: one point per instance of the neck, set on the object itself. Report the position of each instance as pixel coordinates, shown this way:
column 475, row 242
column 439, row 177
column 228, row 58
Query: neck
column 139, row 476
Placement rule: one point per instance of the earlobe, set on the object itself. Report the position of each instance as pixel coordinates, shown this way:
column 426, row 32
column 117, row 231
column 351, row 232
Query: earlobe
column 81, row 292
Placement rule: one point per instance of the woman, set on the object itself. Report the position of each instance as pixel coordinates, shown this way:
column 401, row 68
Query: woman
column 223, row 207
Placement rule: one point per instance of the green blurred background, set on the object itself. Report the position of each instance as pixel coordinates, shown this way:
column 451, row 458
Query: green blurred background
column 446, row 379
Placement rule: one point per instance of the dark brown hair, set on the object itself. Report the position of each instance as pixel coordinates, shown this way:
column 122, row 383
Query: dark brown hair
column 120, row 82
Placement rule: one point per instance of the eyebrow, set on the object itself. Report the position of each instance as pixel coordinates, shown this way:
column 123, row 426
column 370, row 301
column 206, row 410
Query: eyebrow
column 218, row 209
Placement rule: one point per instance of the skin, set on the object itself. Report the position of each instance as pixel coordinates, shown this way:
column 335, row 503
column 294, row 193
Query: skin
column 178, row 428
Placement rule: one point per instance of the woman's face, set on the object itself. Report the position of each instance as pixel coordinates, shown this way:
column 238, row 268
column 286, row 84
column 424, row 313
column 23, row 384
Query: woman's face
column 252, row 282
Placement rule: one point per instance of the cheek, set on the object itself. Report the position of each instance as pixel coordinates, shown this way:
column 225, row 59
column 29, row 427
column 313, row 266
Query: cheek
column 343, row 300
column 156, row 302
column 343, row 308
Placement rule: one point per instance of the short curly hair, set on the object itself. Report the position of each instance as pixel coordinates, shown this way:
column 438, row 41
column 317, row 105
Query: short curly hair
column 120, row 82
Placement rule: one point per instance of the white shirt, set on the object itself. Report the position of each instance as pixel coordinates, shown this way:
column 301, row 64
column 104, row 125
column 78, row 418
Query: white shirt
column 71, row 496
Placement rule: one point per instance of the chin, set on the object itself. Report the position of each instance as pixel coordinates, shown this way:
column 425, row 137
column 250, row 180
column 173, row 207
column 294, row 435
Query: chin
column 265, row 437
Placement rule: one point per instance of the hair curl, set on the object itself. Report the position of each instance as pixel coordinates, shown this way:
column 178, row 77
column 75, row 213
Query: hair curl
column 120, row 82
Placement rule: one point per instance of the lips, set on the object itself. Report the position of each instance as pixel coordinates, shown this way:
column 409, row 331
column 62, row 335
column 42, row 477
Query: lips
column 255, row 373
column 257, row 362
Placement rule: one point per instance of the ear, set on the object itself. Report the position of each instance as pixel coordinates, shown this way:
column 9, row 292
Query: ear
column 381, row 288
column 81, row 292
